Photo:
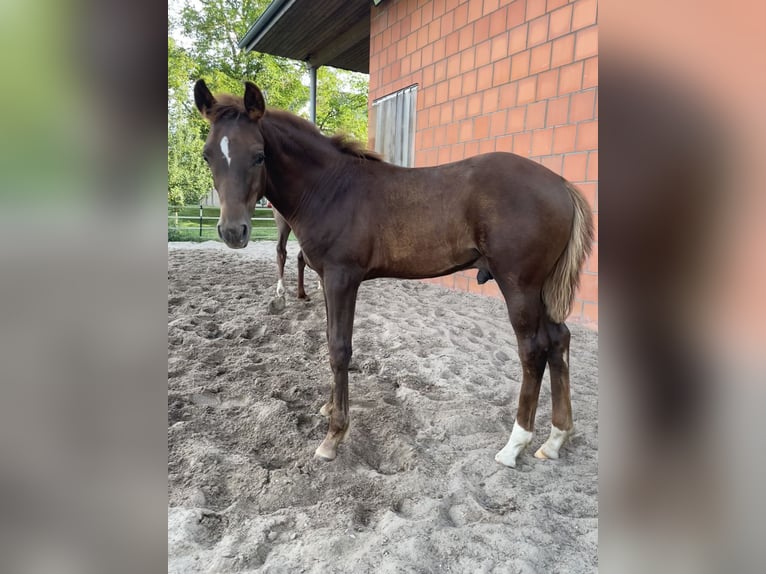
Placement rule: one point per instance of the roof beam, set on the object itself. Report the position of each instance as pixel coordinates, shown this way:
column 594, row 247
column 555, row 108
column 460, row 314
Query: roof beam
column 345, row 41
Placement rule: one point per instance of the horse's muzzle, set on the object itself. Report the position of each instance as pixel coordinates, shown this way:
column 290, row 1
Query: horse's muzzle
column 235, row 236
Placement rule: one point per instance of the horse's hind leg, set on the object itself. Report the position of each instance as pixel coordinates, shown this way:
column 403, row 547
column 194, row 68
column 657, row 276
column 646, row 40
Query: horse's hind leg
column 526, row 314
column 558, row 363
column 284, row 232
column 301, row 269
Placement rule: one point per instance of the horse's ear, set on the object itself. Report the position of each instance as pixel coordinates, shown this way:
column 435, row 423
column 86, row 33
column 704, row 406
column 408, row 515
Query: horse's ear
column 203, row 98
column 254, row 102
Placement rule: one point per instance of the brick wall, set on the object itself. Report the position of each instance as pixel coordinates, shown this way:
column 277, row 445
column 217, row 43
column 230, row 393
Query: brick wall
column 493, row 75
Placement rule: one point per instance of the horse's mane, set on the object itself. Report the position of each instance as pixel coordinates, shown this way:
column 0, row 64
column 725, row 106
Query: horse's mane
column 233, row 107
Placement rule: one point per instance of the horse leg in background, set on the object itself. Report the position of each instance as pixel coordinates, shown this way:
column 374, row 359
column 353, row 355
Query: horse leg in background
column 558, row 363
column 340, row 290
column 284, row 231
column 525, row 310
column 301, row 269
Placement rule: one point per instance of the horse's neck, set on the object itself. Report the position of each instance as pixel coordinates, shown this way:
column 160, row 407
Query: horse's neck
column 294, row 170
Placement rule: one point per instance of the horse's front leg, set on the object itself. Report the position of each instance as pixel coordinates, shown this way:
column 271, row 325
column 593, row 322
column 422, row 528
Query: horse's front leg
column 341, row 288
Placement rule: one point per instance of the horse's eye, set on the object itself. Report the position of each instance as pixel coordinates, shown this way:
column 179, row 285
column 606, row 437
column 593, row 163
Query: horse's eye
column 259, row 157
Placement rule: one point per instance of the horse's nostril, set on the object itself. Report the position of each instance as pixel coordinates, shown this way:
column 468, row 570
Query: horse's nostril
column 218, row 227
column 244, row 232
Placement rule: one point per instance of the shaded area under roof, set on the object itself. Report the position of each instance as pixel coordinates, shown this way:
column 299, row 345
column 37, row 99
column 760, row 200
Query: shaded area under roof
column 321, row 32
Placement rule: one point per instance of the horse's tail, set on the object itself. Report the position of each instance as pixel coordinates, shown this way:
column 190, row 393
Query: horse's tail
column 560, row 285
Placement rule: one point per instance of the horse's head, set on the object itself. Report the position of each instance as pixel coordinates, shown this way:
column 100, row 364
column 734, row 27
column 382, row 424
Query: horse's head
column 234, row 150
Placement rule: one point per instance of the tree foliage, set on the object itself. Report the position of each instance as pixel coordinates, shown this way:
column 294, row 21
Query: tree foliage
column 208, row 32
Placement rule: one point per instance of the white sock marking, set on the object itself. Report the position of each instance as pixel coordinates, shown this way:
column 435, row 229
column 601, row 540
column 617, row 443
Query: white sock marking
column 280, row 288
column 519, row 440
column 551, row 447
column 225, row 148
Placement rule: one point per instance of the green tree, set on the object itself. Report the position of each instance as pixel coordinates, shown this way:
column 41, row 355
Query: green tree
column 342, row 102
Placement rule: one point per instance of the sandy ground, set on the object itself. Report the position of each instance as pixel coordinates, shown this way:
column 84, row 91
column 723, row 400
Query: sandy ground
column 433, row 390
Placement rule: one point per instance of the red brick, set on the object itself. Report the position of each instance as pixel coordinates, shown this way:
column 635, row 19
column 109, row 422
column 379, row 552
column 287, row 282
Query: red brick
column 433, row 116
column 527, row 89
column 452, row 43
column 489, row 100
column 447, row 24
column 442, row 91
column 453, row 66
column 405, row 64
column 560, row 23
column 466, row 130
column 540, row 58
column 459, row 111
column 481, row 127
column 412, row 43
column 589, row 191
column 455, row 85
column 535, row 116
column 584, row 14
column 542, row 141
column 471, row 149
column 518, row 39
column 547, row 84
column 452, row 133
column 440, row 71
column 522, row 144
column 468, row 83
column 497, row 22
column 428, row 97
column 590, row 75
column 508, row 95
column 516, row 118
column 422, row 38
column 434, row 30
column 475, row 9
column 499, row 47
column 588, row 290
column 592, row 173
column 467, row 59
column 474, row 105
column 516, row 13
column 590, row 312
column 497, row 124
column 520, row 65
column 538, row 31
column 474, row 287
column 490, row 6
column 586, row 43
column 484, row 78
column 457, row 152
column 502, row 72
column 443, row 156
column 445, row 113
column 551, row 5
column 535, row 8
column 466, row 37
column 427, row 56
column 558, row 110
column 592, row 262
column 570, row 78
column 587, row 136
column 439, row 8
column 483, row 52
column 428, row 138
column 582, row 106
column 504, row 143
column 563, row 51
column 416, row 20
column 427, row 12
column 461, row 16
column 564, row 138
column 490, row 289
column 574, row 166
column 481, row 29
column 552, row 162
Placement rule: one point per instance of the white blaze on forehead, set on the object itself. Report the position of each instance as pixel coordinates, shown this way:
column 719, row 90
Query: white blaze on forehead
column 225, row 149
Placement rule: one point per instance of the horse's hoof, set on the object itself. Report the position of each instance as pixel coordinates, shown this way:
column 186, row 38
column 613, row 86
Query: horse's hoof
column 505, row 459
column 326, row 410
column 551, row 447
column 326, row 452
